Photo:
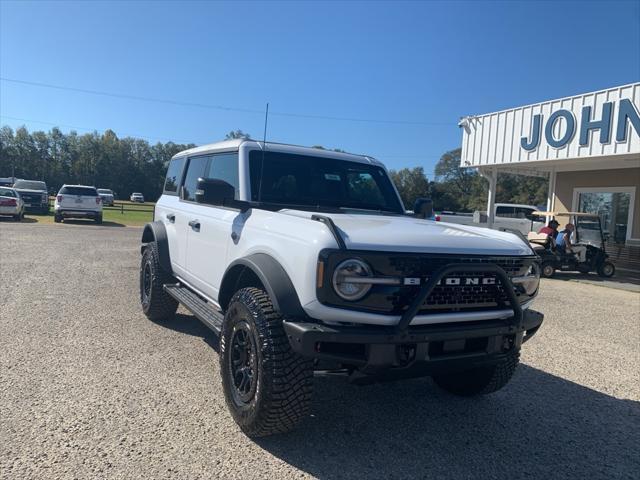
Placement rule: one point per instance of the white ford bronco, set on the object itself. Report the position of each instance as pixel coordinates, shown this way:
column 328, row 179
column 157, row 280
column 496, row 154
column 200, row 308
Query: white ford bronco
column 303, row 260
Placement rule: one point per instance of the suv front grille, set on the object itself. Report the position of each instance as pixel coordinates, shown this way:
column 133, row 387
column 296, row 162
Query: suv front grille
column 457, row 297
column 472, row 291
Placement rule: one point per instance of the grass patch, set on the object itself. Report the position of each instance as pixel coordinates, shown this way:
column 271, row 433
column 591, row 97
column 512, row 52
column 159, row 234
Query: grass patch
column 110, row 218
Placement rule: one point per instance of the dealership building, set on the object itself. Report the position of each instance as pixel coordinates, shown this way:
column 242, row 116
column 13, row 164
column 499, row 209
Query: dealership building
column 587, row 146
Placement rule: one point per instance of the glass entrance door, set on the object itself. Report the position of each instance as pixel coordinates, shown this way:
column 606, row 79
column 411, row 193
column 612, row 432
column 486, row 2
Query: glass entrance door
column 613, row 208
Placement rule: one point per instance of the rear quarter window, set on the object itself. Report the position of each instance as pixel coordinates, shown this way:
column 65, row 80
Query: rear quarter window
column 86, row 191
column 174, row 173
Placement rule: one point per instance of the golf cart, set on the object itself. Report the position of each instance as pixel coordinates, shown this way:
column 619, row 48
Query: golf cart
column 588, row 234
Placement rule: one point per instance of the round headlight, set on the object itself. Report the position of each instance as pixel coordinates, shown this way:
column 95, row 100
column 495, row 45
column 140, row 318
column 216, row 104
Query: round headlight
column 350, row 279
column 531, row 280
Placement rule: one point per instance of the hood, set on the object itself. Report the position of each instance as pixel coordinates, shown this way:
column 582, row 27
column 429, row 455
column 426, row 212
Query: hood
column 408, row 234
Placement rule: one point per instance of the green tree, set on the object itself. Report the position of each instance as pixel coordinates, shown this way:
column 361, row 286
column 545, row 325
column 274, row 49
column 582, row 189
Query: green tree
column 233, row 134
column 411, row 184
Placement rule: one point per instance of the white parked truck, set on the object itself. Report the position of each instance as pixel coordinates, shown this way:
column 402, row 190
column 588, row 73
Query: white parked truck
column 304, row 260
column 508, row 216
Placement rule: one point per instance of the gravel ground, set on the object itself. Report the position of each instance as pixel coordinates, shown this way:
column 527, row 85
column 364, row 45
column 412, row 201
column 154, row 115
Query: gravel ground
column 89, row 388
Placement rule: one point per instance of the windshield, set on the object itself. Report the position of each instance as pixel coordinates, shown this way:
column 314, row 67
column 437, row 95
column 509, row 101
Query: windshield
column 30, row 185
column 7, row 192
column 588, row 229
column 299, row 181
column 104, row 191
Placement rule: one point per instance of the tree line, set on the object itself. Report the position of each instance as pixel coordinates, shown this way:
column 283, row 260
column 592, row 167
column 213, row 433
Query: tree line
column 124, row 165
column 127, row 165
column 464, row 189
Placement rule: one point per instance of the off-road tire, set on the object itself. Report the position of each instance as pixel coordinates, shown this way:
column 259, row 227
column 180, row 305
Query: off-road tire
column 57, row 218
column 157, row 304
column 98, row 220
column 547, row 270
column 479, row 381
column 607, row 269
column 280, row 397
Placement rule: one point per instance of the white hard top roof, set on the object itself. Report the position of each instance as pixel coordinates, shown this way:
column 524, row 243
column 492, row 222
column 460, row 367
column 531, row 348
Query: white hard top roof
column 517, row 205
column 83, row 186
column 228, row 145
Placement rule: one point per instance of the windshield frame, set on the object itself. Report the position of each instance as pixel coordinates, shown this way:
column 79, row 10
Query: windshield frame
column 393, row 202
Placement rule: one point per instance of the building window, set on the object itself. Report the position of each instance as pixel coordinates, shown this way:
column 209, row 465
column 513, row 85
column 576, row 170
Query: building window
column 613, row 205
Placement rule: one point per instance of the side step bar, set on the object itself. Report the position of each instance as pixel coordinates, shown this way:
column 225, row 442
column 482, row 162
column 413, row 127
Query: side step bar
column 202, row 309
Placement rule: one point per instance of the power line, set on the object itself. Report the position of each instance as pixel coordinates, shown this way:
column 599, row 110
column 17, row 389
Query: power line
column 87, row 129
column 218, row 107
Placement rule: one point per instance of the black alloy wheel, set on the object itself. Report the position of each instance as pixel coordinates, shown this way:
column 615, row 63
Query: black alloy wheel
column 243, row 366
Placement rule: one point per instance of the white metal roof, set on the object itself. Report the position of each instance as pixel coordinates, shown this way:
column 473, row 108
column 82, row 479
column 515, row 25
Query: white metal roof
column 495, row 139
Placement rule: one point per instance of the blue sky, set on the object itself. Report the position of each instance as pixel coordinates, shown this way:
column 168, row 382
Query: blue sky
column 424, row 63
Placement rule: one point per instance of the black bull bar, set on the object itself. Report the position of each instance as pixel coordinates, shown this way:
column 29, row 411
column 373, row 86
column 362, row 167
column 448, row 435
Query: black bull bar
column 427, row 288
column 383, row 343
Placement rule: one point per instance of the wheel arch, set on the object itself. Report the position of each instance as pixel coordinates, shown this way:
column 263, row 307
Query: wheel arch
column 261, row 270
column 156, row 232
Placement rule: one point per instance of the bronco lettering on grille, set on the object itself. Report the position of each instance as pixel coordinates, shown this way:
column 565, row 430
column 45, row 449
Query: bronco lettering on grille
column 454, row 281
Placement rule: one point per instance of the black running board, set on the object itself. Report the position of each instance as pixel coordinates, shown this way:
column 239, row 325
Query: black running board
column 203, row 310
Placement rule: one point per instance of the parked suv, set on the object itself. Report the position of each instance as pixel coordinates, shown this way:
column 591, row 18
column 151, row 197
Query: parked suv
column 303, row 259
column 137, row 197
column 78, row 201
column 35, row 195
column 107, row 196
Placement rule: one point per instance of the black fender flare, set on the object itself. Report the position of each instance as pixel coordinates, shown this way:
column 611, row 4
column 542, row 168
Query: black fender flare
column 156, row 232
column 272, row 276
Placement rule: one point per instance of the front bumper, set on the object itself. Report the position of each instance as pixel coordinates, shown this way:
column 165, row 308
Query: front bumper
column 418, row 350
column 412, row 350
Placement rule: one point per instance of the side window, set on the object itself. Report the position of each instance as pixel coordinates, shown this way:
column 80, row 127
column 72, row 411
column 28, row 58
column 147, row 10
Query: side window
column 196, row 168
column 173, row 176
column 504, row 212
column 225, row 167
column 524, row 213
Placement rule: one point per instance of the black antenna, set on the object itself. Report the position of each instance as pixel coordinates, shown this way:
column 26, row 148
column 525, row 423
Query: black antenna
column 264, row 147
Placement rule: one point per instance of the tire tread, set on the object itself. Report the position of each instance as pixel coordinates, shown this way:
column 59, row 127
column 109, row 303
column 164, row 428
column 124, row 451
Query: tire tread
column 162, row 306
column 288, row 387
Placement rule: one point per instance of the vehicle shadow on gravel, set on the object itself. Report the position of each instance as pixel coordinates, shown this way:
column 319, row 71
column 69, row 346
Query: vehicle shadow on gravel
column 539, row 426
column 190, row 325
column 24, row 220
column 105, row 223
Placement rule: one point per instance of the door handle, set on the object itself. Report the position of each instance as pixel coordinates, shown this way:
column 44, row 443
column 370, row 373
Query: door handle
column 195, row 225
column 171, row 217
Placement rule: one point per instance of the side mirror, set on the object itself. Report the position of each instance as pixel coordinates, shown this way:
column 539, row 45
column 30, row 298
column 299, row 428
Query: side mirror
column 423, row 208
column 213, row 191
